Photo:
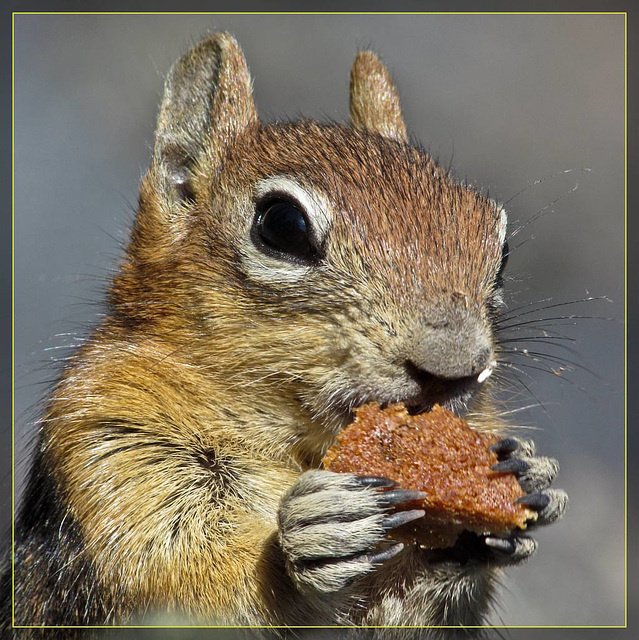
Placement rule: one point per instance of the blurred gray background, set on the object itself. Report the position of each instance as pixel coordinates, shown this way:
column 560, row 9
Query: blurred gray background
column 508, row 100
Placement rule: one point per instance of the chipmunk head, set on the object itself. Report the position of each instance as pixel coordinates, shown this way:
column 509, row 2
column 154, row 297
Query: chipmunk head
column 322, row 266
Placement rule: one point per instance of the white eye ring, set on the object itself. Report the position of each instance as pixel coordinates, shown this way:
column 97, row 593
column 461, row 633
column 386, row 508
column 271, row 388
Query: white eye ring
column 269, row 269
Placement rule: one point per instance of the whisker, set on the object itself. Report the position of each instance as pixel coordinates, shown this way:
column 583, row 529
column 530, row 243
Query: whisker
column 552, row 372
column 510, row 310
column 550, row 340
column 547, row 209
column 508, row 315
column 530, row 185
column 541, row 340
column 521, row 244
column 568, row 317
column 530, row 391
column 539, row 356
column 516, row 410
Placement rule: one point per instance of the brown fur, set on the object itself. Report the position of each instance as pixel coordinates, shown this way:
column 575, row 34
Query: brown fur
column 176, row 430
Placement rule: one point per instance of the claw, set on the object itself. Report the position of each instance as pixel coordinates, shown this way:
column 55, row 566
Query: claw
column 504, row 446
column 397, row 496
column 375, row 482
column 500, row 544
column 514, row 465
column 536, row 501
column 401, row 517
column 387, row 554
column 554, row 509
column 513, row 550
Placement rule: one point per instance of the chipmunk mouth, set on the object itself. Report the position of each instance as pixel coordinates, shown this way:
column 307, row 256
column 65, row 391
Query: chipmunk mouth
column 418, row 390
column 456, row 394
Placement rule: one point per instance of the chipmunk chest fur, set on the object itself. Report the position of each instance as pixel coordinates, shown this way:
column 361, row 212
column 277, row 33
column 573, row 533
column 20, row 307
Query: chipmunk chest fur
column 277, row 277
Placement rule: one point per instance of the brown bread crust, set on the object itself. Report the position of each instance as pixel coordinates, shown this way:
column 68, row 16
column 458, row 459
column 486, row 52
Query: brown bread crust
column 439, row 454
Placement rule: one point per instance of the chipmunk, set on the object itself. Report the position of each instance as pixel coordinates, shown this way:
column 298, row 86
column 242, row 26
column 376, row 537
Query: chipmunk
column 277, row 276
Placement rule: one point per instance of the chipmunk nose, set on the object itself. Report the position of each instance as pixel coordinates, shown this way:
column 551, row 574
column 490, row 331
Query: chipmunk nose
column 453, row 348
column 445, row 358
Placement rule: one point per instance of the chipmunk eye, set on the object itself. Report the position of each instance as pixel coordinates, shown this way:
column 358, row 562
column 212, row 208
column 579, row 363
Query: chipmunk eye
column 281, row 227
column 505, row 252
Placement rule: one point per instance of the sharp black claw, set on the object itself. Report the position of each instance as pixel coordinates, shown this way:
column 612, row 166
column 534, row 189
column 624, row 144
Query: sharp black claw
column 537, row 501
column 397, row 496
column 514, row 465
column 401, row 517
column 500, row 544
column 504, row 446
column 387, row 554
column 375, row 482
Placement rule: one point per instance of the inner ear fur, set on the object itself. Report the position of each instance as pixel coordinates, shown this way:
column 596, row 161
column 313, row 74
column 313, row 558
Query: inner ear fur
column 207, row 102
column 374, row 103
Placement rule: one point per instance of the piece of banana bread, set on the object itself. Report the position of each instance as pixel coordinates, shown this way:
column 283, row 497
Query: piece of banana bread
column 437, row 453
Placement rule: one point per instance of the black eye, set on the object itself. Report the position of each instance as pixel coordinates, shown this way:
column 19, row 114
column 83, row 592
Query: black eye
column 505, row 252
column 282, row 229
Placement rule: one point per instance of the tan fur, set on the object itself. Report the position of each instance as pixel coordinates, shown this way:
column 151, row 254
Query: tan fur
column 198, row 403
column 374, row 105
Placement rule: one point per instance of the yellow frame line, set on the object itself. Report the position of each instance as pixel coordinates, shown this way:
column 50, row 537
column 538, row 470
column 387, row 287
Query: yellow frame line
column 312, row 13
column 626, row 311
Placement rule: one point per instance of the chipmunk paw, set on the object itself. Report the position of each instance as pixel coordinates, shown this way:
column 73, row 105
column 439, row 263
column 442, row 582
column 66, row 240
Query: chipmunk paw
column 333, row 526
column 535, row 475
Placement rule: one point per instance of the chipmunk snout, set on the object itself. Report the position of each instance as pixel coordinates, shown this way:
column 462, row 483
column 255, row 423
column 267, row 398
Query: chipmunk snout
column 452, row 346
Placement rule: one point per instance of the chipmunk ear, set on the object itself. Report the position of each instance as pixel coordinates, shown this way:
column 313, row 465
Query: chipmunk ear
column 207, row 101
column 374, row 104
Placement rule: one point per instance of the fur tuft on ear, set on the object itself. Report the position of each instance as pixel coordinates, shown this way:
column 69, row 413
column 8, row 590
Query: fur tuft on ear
column 207, row 102
column 374, row 104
